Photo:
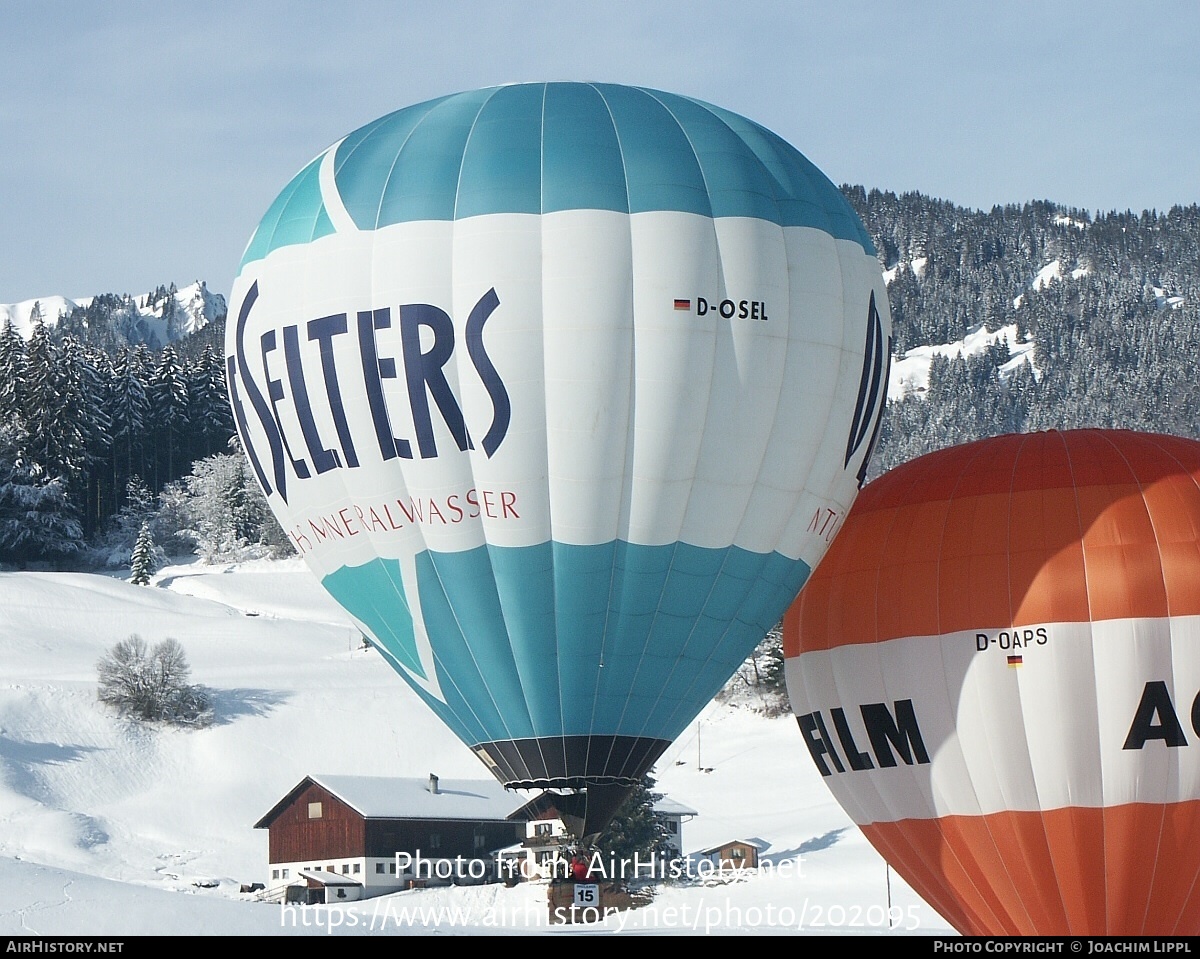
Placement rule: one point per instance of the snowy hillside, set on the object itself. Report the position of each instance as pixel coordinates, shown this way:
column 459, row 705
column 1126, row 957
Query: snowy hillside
column 910, row 372
column 108, row 828
column 164, row 319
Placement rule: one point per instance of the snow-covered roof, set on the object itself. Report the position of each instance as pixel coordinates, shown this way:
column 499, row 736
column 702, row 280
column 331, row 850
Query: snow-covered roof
column 760, row 844
column 386, row 797
column 325, row 878
column 669, row 807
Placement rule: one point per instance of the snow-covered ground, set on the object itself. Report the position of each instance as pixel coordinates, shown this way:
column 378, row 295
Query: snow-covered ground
column 112, row 829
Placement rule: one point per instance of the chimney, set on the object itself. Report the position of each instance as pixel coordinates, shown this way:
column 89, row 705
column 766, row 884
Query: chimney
column 433, row 784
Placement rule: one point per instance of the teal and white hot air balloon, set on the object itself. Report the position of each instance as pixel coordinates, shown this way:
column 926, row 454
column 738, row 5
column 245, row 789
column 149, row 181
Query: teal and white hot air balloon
column 562, row 390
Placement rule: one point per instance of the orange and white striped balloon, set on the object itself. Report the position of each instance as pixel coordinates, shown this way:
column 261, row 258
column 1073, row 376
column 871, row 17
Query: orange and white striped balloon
column 997, row 669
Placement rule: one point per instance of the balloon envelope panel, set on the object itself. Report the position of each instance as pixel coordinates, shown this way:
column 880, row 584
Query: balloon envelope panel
column 560, row 389
column 996, row 668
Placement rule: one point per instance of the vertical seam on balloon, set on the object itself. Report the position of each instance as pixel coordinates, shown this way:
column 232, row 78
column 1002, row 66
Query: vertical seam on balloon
column 1007, row 809
column 398, row 588
column 1083, row 560
column 270, row 246
column 951, row 700
column 387, row 180
column 1008, row 531
column 465, row 633
column 838, row 667
column 1083, row 554
column 441, row 673
column 720, row 262
column 344, row 478
column 382, row 124
column 462, row 160
column 825, row 493
column 1024, row 441
column 695, row 470
column 720, row 266
column 1166, row 611
column 539, row 735
column 625, row 480
column 955, row 701
column 371, row 129
column 945, row 901
column 771, row 141
column 441, row 585
column 487, row 550
column 447, row 675
column 1021, row 443
column 804, row 487
column 1166, row 615
column 789, row 346
column 1191, row 473
column 720, row 641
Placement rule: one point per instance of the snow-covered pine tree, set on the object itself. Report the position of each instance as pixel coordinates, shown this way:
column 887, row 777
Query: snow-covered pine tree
column 129, row 412
column 103, row 491
column 37, row 519
column 168, row 396
column 209, row 413
column 12, row 372
column 636, row 829
column 142, row 563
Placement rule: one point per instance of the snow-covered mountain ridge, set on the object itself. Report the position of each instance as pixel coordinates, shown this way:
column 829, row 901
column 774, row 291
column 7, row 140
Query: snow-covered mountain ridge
column 155, row 318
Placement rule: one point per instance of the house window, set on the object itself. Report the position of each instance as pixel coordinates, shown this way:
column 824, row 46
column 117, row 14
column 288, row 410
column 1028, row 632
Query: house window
column 435, row 840
column 314, row 810
column 331, row 868
column 480, row 840
column 379, row 867
column 392, row 868
column 345, row 869
column 274, row 873
column 543, row 829
column 672, row 826
column 358, row 867
column 285, row 874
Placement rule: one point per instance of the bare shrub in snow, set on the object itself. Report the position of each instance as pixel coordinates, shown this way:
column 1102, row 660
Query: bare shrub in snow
column 151, row 683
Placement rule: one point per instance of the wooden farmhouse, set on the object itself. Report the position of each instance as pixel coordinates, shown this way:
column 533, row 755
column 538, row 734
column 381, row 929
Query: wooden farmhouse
column 351, row 837
column 732, row 855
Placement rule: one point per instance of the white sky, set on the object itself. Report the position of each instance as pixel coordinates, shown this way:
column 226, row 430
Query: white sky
column 142, row 140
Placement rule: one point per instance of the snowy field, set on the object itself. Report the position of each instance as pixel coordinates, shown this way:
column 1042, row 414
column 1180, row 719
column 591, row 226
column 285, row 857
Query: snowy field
column 110, row 829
